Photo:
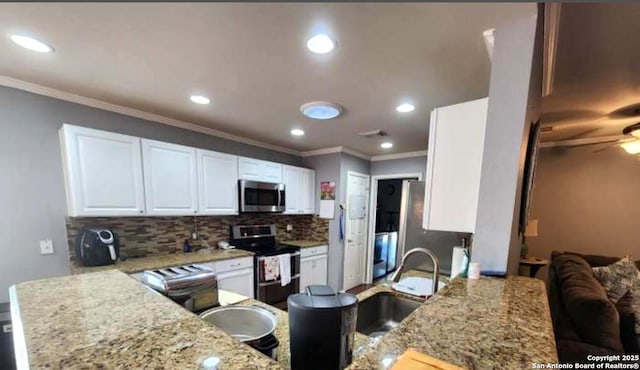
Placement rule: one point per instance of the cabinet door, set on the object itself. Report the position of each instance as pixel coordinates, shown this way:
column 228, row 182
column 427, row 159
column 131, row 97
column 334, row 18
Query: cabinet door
column 454, row 163
column 170, row 178
column 306, row 273
column 237, row 281
column 103, row 172
column 320, row 270
column 291, row 178
column 217, row 183
column 249, row 169
column 307, row 192
column 270, row 172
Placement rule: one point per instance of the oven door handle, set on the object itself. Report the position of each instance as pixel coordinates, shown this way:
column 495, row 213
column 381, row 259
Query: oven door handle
column 292, row 255
column 278, row 281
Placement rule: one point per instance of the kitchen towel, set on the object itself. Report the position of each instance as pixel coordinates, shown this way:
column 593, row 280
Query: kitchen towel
column 271, row 268
column 285, row 269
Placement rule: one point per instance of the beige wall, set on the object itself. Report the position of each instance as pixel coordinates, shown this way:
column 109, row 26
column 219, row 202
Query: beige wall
column 586, row 202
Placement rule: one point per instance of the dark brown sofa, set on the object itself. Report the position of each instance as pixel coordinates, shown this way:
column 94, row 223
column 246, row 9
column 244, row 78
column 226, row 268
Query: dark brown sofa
column 584, row 320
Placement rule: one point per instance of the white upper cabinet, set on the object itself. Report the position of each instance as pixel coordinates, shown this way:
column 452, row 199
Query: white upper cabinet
column 299, row 187
column 308, row 187
column 217, row 183
column 259, row 170
column 271, row 172
column 103, row 172
column 170, row 178
column 454, row 164
column 291, row 179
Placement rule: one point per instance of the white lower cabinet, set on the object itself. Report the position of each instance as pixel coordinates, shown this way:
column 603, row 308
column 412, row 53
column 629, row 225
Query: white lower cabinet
column 237, row 281
column 313, row 267
column 234, row 275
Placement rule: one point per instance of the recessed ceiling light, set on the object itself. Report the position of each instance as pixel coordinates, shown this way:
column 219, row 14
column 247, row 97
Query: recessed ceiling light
column 297, row 132
column 200, row 99
column 386, row 145
column 321, row 44
column 31, row 44
column 321, row 110
column 405, row 108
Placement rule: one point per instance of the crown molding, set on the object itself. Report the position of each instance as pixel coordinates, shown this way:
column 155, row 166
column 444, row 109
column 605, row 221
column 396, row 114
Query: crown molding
column 336, row 149
column 387, row 157
column 94, row 103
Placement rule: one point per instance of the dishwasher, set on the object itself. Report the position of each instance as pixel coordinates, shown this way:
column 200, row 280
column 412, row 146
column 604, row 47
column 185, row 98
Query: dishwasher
column 7, row 357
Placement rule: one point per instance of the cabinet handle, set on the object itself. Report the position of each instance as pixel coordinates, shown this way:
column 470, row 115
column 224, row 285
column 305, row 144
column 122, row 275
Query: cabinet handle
column 141, row 211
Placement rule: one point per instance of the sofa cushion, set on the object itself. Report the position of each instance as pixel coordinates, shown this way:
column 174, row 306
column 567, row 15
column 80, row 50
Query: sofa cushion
column 627, row 324
column 617, row 278
column 635, row 302
column 594, row 317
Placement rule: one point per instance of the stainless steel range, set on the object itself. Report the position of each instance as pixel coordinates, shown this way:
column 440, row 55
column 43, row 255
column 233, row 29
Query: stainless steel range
column 261, row 240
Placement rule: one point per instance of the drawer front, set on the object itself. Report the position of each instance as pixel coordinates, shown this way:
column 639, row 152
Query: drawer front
column 234, row 264
column 308, row 252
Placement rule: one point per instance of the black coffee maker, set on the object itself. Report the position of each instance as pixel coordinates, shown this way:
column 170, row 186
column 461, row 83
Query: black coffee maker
column 322, row 326
column 97, row 247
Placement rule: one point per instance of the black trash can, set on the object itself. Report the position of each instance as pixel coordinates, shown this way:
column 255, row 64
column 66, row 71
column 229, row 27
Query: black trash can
column 7, row 356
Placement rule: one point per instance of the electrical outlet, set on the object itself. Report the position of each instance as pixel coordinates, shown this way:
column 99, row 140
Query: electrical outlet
column 289, row 227
column 46, row 246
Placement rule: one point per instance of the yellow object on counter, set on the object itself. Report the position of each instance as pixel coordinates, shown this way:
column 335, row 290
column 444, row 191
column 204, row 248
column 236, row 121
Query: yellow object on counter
column 414, row 360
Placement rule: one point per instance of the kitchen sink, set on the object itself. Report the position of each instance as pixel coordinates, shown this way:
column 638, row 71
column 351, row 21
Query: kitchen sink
column 382, row 312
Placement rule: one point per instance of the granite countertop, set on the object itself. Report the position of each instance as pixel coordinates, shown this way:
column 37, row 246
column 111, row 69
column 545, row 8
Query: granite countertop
column 132, row 265
column 305, row 243
column 108, row 320
column 490, row 323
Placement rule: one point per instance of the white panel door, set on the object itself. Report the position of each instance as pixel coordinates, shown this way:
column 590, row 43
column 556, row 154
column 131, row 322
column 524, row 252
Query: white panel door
column 320, row 270
column 103, row 172
column 454, row 164
column 306, row 273
column 237, row 281
column 249, row 169
column 170, row 178
column 291, row 177
column 307, row 192
column 270, row 172
column 217, row 183
column 356, row 222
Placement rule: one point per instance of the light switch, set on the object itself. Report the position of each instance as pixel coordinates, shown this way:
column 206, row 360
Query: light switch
column 46, row 246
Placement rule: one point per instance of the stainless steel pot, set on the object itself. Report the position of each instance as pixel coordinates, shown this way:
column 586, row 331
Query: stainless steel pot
column 248, row 324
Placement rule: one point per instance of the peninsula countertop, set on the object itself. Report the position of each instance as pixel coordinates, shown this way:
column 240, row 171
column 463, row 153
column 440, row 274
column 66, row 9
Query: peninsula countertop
column 490, row 323
column 138, row 264
column 107, row 320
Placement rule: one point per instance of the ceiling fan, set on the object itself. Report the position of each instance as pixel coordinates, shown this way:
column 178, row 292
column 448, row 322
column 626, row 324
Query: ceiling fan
column 630, row 144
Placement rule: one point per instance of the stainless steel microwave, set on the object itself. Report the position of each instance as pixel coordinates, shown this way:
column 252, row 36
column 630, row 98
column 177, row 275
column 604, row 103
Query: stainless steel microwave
column 257, row 196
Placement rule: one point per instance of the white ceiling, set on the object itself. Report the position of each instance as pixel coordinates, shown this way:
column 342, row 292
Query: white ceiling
column 251, row 60
column 597, row 75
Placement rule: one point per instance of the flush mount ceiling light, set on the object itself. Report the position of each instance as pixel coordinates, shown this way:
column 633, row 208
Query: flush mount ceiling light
column 321, row 110
column 31, row 44
column 405, row 108
column 198, row 99
column 297, row 132
column 321, row 44
column 386, row 145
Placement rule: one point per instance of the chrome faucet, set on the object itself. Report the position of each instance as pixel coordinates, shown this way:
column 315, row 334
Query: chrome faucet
column 396, row 275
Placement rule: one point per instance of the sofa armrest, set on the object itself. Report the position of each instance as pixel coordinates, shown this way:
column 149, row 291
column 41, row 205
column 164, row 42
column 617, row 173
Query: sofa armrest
column 570, row 351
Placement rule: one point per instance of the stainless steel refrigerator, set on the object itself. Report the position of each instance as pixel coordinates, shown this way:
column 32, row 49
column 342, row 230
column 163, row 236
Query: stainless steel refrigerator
column 412, row 235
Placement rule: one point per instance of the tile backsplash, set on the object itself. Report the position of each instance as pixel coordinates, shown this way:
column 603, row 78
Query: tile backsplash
column 144, row 236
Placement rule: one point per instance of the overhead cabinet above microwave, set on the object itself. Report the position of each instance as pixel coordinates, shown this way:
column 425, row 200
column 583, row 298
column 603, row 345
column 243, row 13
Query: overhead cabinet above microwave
column 109, row 174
